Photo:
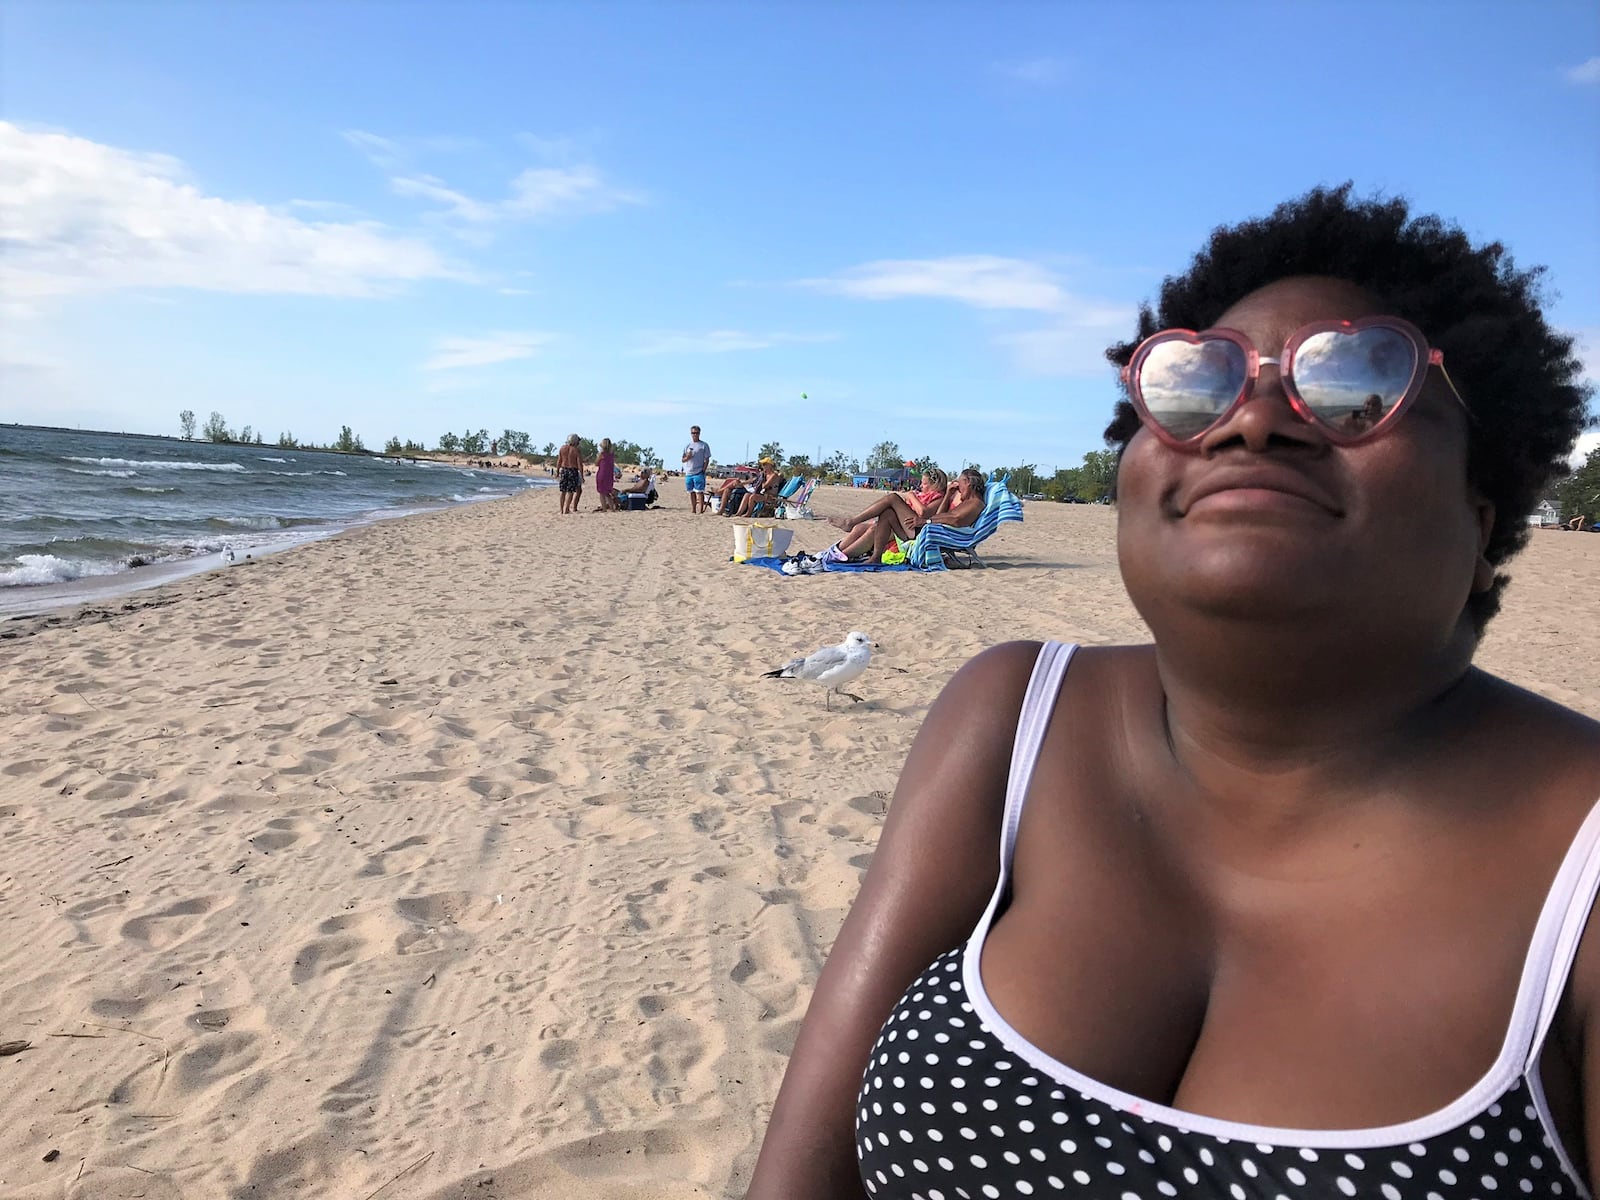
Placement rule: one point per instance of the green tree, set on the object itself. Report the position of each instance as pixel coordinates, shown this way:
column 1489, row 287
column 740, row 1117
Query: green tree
column 587, row 449
column 216, row 429
column 1579, row 493
column 475, row 443
column 286, row 441
column 393, row 446
column 798, row 464
column 1099, row 474
column 840, row 463
column 347, row 441
column 449, row 443
column 514, row 441
column 885, row 456
column 549, row 450
column 186, row 423
column 773, row 451
column 247, row 434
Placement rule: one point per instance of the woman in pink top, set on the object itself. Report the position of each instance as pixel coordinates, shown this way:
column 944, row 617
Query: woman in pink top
column 933, row 497
column 605, row 477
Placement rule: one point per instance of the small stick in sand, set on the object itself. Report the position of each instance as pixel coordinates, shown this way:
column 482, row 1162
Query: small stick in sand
column 401, row 1176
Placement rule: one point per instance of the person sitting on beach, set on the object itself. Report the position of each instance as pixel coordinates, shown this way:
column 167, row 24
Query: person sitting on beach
column 1292, row 901
column 932, row 497
column 762, row 491
column 569, row 475
column 642, row 484
column 897, row 521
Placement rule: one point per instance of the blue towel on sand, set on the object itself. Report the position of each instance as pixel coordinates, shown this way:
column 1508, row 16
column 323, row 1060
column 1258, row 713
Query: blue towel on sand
column 776, row 564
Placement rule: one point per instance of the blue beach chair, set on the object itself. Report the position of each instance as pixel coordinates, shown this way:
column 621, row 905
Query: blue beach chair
column 934, row 542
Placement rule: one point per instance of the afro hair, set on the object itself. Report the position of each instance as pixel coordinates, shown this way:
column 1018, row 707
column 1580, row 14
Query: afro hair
column 1519, row 377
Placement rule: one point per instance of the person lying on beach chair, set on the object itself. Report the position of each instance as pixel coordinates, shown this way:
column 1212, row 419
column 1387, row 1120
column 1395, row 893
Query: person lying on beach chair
column 761, row 496
column 898, row 523
column 644, row 486
column 934, row 496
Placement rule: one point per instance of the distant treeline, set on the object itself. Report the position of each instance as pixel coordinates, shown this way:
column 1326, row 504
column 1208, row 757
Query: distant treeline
column 1093, row 479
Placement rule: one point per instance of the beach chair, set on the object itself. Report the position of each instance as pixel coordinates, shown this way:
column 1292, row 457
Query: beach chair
column 770, row 504
column 796, row 505
column 934, row 542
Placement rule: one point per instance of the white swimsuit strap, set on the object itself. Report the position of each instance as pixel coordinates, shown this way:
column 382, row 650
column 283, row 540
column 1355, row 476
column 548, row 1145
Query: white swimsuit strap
column 1038, row 705
column 1561, row 926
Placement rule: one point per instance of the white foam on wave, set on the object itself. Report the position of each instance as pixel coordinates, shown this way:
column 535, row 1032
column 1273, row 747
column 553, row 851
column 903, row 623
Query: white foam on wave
column 143, row 464
column 110, row 474
column 155, row 491
column 47, row 568
column 276, row 460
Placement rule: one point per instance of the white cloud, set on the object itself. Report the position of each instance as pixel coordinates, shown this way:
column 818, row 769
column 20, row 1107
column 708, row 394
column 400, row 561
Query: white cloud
column 535, row 193
column 721, row 341
column 77, row 216
column 1045, row 71
column 1071, row 344
column 982, row 280
column 455, row 352
column 1586, row 443
column 1583, row 73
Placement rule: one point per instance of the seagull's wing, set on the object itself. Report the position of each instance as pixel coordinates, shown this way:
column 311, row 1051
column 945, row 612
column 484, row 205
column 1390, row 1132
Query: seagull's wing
column 818, row 661
column 787, row 671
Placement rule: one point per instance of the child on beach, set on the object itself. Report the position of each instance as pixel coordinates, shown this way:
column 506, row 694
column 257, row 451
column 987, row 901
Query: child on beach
column 605, row 477
column 569, row 475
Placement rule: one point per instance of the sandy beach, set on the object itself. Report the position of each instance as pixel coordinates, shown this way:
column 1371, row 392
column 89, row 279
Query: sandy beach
column 467, row 855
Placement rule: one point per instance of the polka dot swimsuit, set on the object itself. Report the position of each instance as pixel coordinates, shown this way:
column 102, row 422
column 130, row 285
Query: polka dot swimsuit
column 956, row 1105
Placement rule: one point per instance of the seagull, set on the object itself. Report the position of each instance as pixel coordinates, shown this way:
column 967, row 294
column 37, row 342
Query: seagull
column 832, row 666
column 227, row 553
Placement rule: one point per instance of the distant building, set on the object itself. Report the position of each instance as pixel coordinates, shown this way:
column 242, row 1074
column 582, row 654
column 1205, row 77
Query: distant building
column 1546, row 512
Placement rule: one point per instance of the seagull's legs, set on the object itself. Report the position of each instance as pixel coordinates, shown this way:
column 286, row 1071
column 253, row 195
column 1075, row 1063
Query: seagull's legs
column 827, row 699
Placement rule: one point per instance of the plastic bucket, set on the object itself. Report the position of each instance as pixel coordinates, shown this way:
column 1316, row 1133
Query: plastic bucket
column 760, row 541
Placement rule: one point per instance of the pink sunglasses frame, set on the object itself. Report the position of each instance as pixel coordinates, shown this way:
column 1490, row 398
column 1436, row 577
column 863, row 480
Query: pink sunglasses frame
column 1426, row 357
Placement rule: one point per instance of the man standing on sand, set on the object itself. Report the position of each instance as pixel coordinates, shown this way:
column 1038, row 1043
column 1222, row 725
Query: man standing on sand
column 696, row 457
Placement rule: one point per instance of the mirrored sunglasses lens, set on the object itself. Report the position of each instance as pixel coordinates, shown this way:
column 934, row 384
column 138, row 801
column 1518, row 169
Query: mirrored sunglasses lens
column 1186, row 386
column 1351, row 381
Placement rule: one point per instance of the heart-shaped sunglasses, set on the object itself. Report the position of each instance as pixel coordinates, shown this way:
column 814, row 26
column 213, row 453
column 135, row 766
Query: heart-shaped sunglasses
column 1351, row 379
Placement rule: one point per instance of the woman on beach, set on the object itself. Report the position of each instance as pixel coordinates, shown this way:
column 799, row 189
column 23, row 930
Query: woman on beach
column 1290, row 902
column 932, row 496
column 893, row 519
column 605, row 477
column 569, row 475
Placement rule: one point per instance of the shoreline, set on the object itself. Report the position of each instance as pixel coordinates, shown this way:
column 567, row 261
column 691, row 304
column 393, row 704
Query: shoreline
column 37, row 599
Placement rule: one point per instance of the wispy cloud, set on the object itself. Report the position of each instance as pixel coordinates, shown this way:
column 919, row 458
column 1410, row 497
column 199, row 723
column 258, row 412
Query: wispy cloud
column 78, row 216
column 1070, row 344
column 1584, row 73
column 1044, row 71
column 722, row 341
column 535, row 193
column 982, row 280
column 453, row 353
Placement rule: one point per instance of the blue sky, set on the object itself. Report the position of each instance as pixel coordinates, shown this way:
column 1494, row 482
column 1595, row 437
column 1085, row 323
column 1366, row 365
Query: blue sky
column 617, row 219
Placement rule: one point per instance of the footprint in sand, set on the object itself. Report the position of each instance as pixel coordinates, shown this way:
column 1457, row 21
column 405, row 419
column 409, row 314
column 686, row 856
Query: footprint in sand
column 170, row 925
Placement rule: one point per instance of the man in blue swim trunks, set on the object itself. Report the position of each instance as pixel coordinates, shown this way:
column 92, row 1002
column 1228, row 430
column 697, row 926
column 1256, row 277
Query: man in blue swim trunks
column 696, row 456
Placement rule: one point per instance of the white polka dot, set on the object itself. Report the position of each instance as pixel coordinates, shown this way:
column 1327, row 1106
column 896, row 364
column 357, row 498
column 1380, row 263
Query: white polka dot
column 919, row 1164
column 1345, row 1186
column 1475, row 1132
column 1514, row 1134
column 992, row 1192
column 1038, row 1154
column 1190, row 1174
column 970, row 1134
column 1236, row 1191
column 1447, row 1176
column 935, row 1135
column 1116, row 1168
column 905, row 1135
column 1081, row 1176
column 1166, row 1189
column 1249, row 1168
column 1307, row 1153
column 1390, row 1192
column 928, row 1108
column 1024, row 1187
column 978, row 1161
column 1355, row 1161
column 1489, row 1182
column 1206, row 1157
column 1460, row 1154
column 1025, row 1126
column 1060, row 1118
column 1418, row 1149
column 1293, row 1174
column 1525, row 1184
column 1054, row 1182
column 1011, row 1158
column 1069, row 1147
column 1400, row 1169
